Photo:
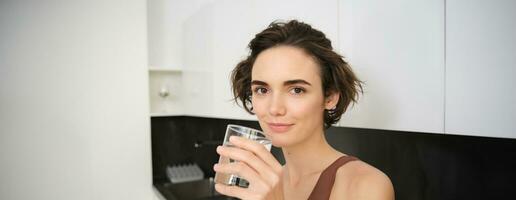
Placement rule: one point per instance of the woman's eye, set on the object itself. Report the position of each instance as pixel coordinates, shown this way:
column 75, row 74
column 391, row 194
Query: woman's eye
column 297, row 90
column 260, row 90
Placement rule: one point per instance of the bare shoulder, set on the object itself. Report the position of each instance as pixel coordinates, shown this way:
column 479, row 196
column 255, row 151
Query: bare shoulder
column 359, row 180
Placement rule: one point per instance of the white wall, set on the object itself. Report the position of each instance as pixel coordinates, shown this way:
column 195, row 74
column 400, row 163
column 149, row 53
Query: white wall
column 397, row 48
column 74, row 102
column 481, row 68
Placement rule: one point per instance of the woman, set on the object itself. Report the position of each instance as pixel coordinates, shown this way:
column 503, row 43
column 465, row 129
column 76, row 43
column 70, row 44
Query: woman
column 297, row 86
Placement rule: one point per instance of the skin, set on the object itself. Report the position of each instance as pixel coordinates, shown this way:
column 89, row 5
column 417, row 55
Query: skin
column 288, row 101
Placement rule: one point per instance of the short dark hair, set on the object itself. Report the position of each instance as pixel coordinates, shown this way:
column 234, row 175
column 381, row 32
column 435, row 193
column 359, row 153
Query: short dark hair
column 336, row 74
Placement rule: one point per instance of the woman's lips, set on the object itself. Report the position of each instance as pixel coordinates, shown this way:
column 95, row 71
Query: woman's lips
column 279, row 127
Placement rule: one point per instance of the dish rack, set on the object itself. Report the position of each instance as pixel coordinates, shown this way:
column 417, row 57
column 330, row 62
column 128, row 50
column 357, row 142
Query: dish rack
column 184, row 173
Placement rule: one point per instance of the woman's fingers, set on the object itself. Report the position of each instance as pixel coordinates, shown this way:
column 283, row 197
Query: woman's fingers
column 251, row 160
column 253, row 163
column 258, row 149
column 238, row 168
column 243, row 171
column 233, row 191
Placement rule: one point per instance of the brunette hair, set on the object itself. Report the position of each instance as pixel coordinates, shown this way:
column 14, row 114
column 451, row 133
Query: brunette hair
column 336, row 74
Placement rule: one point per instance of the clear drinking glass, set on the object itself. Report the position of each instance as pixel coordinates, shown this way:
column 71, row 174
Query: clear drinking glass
column 241, row 131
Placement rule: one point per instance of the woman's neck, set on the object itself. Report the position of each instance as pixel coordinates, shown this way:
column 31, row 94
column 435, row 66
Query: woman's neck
column 310, row 157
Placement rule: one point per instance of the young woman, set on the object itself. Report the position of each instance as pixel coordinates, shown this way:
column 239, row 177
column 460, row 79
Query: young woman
column 297, row 86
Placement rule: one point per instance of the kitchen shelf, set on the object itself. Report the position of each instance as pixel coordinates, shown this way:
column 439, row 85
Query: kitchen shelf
column 165, row 114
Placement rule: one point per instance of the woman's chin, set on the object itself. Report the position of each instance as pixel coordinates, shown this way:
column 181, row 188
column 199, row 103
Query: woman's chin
column 280, row 142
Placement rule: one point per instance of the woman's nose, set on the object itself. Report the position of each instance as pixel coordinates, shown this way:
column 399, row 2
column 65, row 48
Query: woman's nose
column 277, row 106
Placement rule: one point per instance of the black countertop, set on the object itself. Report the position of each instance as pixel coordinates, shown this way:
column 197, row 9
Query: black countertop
column 193, row 190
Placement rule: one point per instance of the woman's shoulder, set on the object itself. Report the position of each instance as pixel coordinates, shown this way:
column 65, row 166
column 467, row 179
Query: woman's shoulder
column 359, row 180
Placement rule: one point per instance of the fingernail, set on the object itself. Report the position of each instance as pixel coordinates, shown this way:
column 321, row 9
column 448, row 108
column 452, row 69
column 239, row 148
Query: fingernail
column 215, row 166
column 233, row 138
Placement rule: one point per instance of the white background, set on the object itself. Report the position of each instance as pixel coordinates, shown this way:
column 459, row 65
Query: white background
column 74, row 109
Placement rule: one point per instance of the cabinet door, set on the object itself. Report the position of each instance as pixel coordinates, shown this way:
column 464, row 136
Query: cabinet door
column 397, row 48
column 480, row 68
column 216, row 40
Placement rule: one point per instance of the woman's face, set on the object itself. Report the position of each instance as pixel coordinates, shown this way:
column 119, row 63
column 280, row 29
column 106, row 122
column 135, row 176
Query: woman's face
column 287, row 95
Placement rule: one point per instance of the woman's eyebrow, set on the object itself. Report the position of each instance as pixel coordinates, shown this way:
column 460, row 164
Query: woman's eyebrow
column 286, row 83
column 296, row 81
column 257, row 82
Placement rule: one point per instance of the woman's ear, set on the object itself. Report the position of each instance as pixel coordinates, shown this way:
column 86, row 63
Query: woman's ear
column 330, row 102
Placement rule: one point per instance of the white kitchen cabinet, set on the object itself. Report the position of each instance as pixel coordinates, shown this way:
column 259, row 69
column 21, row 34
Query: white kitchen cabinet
column 165, row 39
column 165, row 53
column 397, row 48
column 481, row 68
column 163, row 34
column 216, row 38
column 165, row 92
column 427, row 66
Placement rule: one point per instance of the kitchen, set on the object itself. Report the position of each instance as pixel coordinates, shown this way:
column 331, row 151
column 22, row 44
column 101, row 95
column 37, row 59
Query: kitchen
column 99, row 97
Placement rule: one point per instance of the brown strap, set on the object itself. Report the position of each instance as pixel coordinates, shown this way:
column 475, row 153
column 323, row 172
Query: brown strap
column 322, row 189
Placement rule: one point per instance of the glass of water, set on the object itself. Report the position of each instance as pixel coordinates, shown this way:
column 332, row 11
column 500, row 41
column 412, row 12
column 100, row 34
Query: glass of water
column 245, row 132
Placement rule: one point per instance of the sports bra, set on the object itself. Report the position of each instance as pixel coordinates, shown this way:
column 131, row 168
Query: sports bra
column 324, row 185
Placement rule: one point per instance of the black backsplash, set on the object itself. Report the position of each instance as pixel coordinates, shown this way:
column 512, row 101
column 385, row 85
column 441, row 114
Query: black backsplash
column 420, row 165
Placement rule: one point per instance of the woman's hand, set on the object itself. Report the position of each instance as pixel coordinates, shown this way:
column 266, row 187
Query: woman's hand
column 256, row 165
